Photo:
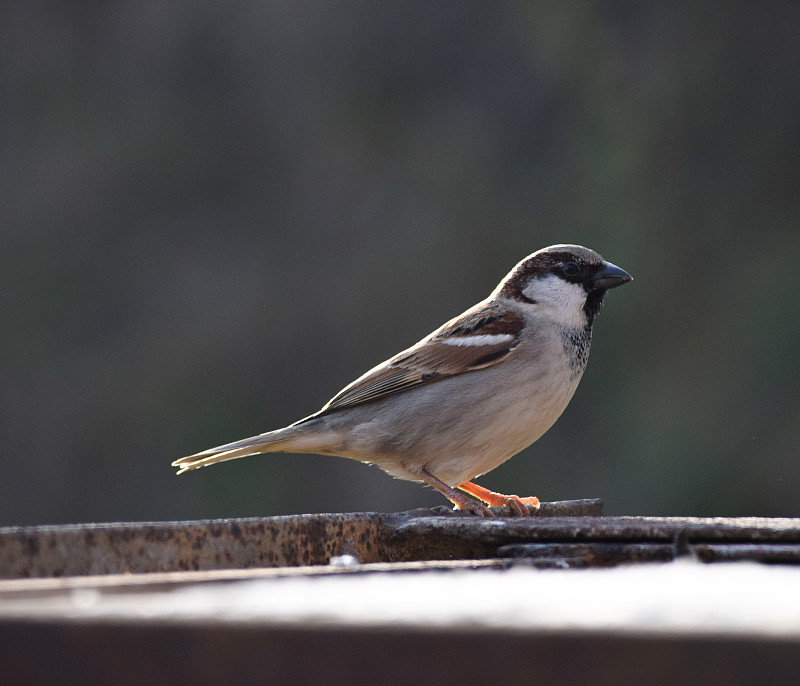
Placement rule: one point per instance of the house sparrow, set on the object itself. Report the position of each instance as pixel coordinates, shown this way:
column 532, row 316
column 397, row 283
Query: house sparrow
column 470, row 395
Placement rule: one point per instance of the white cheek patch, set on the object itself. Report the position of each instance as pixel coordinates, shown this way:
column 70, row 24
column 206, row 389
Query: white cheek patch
column 564, row 299
column 480, row 339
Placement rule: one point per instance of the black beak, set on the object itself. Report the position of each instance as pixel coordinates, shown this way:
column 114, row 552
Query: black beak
column 610, row 276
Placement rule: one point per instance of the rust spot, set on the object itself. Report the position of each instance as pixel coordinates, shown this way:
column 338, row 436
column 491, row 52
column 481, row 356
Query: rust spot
column 32, row 544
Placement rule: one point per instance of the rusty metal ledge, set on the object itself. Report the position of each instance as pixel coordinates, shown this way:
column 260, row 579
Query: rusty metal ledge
column 569, row 533
column 287, row 541
column 329, row 598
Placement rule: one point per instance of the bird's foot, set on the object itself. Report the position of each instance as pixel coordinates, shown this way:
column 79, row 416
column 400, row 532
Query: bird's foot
column 473, row 506
column 461, row 501
column 519, row 506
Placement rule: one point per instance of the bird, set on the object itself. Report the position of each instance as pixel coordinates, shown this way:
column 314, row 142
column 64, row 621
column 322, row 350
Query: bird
column 470, row 395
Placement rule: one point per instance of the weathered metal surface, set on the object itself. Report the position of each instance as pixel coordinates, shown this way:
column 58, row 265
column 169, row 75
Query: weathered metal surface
column 166, row 546
column 587, row 507
column 562, row 534
column 424, row 539
column 501, row 621
column 563, row 555
column 157, row 627
column 773, row 553
column 289, row 541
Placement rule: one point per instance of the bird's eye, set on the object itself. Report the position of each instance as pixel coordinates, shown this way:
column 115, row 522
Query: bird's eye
column 570, row 268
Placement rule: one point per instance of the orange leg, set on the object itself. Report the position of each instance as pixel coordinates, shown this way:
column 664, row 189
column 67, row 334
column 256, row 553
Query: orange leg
column 458, row 499
column 492, row 499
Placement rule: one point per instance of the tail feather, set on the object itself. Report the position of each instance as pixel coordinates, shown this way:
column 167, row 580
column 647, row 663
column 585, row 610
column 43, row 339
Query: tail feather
column 264, row 443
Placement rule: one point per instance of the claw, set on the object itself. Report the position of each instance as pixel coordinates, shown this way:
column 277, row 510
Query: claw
column 517, row 505
column 473, row 506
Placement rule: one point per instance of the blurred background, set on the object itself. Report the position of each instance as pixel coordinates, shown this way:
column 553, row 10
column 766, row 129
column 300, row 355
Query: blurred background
column 215, row 215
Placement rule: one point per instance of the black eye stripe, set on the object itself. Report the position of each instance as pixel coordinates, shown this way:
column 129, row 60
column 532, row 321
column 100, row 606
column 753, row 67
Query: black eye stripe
column 550, row 262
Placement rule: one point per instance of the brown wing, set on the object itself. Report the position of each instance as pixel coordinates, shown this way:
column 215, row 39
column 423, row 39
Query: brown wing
column 477, row 339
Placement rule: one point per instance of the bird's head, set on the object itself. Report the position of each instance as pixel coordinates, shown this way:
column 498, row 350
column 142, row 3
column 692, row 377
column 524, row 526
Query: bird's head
column 563, row 283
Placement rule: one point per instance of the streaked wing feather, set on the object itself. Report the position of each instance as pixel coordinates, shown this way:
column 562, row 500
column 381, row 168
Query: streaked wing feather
column 380, row 382
column 447, row 351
